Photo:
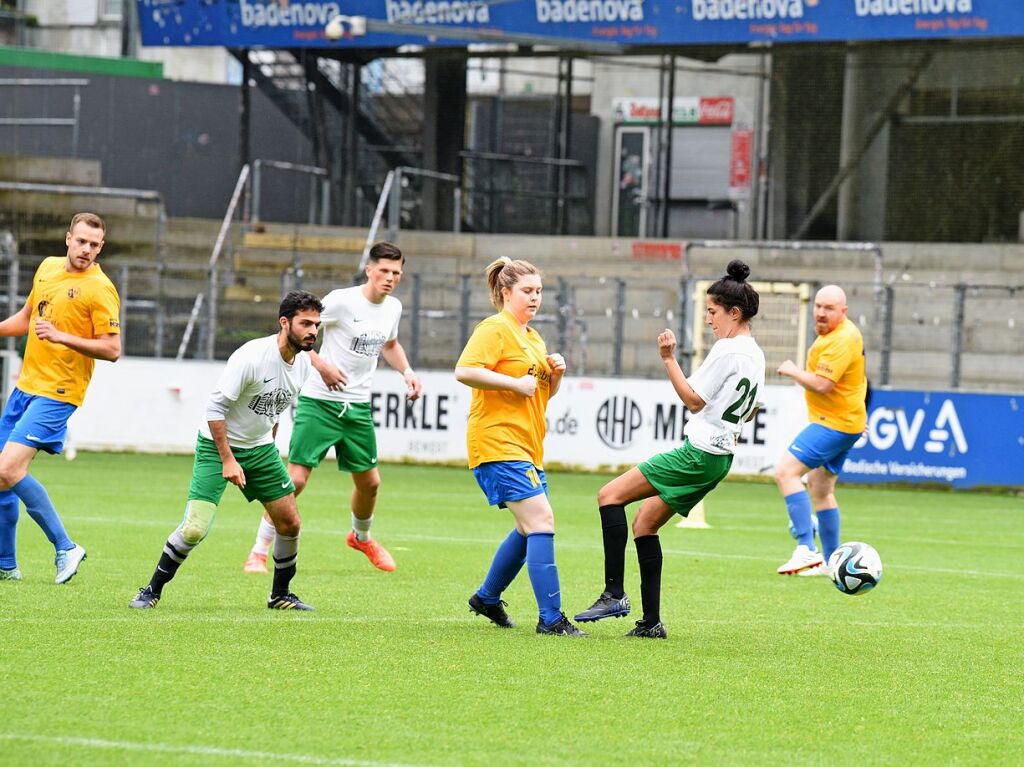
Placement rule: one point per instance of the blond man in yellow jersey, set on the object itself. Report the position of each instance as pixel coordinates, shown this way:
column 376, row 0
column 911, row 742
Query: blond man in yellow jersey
column 512, row 376
column 71, row 319
column 836, row 389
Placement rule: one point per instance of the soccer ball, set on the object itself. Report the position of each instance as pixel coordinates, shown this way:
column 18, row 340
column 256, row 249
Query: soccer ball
column 334, row 30
column 855, row 567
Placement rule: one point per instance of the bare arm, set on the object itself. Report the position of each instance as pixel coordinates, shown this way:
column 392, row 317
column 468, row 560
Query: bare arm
column 105, row 347
column 810, row 381
column 232, row 470
column 488, row 380
column 17, row 324
column 334, row 378
column 667, row 349
column 394, row 354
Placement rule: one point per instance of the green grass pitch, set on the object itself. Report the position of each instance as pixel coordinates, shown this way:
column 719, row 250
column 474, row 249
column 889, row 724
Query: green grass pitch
column 392, row 669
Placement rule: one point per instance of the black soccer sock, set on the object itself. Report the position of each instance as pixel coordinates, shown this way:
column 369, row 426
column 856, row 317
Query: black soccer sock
column 615, row 532
column 174, row 554
column 286, row 554
column 648, row 554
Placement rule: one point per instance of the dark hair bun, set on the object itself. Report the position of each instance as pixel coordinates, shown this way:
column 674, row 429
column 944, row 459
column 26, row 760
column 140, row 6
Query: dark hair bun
column 737, row 270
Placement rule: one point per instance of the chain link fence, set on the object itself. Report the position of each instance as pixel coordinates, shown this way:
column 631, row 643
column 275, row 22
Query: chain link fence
column 916, row 335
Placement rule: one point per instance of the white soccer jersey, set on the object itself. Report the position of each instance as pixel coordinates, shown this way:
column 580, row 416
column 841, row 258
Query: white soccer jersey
column 731, row 383
column 355, row 329
column 260, row 385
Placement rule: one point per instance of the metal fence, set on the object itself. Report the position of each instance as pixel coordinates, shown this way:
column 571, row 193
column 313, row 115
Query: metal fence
column 916, row 335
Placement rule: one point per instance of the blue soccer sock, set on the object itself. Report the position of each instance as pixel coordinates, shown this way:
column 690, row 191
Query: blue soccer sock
column 798, row 505
column 40, row 508
column 508, row 561
column 540, row 563
column 8, row 529
column 828, row 531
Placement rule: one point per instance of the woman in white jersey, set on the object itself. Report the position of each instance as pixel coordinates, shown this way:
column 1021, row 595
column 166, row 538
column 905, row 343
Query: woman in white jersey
column 722, row 394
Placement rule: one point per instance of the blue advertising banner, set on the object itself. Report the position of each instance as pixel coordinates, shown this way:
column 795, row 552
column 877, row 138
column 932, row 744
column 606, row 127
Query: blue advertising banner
column 962, row 440
column 300, row 23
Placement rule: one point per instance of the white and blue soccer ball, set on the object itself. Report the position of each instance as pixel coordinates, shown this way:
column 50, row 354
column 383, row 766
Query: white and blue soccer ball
column 855, row 567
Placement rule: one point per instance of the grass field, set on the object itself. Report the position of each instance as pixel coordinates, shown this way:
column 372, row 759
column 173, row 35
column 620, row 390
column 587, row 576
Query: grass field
column 758, row 669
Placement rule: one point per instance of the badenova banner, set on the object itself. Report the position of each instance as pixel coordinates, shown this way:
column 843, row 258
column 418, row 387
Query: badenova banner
column 300, row 23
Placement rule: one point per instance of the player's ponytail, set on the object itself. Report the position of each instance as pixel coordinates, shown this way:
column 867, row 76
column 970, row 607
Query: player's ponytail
column 733, row 290
column 505, row 273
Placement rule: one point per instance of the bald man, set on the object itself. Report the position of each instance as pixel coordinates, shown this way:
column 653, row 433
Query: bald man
column 835, row 387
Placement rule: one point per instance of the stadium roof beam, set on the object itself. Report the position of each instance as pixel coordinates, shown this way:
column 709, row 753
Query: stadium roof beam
column 360, row 25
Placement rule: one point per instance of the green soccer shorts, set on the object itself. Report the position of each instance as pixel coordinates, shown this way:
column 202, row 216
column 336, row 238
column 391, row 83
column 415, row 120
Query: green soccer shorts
column 683, row 476
column 266, row 478
column 347, row 426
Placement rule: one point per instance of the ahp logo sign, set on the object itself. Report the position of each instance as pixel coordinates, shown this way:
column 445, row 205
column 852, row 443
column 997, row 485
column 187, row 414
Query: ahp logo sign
column 964, row 440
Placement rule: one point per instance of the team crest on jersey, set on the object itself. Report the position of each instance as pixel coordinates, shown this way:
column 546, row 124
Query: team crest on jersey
column 271, row 403
column 369, row 344
column 74, row 292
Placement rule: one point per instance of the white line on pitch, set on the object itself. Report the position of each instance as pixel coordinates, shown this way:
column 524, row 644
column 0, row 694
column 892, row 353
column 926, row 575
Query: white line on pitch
column 397, row 535
column 164, row 748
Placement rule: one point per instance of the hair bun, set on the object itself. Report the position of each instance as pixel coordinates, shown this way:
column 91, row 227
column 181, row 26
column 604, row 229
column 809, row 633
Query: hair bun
column 737, row 270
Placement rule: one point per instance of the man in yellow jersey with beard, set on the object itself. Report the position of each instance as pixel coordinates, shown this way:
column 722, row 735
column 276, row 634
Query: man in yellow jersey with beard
column 71, row 319
column 835, row 388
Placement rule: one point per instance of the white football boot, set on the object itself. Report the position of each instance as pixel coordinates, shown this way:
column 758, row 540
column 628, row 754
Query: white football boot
column 803, row 558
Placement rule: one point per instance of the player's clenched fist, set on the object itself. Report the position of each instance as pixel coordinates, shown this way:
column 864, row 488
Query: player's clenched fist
column 557, row 363
column 526, row 385
column 666, row 344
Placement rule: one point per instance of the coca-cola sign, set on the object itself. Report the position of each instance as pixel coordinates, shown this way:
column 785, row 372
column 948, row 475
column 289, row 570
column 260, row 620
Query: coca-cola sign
column 716, row 111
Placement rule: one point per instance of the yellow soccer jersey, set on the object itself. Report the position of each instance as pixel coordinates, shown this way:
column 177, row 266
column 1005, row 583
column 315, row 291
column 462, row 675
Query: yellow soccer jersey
column 839, row 357
column 84, row 304
column 503, row 425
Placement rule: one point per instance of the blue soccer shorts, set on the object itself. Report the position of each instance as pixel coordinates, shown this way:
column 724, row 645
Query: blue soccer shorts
column 504, row 481
column 35, row 421
column 819, row 445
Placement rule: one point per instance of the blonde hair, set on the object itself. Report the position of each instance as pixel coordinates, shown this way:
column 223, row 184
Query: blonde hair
column 505, row 273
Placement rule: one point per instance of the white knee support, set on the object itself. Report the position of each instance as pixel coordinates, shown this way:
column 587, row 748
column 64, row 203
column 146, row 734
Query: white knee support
column 197, row 521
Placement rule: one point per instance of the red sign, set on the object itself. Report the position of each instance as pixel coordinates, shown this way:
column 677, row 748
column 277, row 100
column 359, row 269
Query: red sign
column 739, row 163
column 716, row 111
column 657, row 251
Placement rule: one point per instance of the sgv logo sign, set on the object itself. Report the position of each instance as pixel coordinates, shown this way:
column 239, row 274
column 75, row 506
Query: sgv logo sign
column 886, row 426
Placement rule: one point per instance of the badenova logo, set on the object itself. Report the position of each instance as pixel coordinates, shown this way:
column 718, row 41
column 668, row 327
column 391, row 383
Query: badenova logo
column 911, row 7
column 295, row 14
column 886, row 426
column 744, row 10
column 589, row 11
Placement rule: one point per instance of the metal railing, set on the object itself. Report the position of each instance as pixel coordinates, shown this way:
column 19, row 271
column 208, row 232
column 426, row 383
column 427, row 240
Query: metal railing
column 318, row 180
column 391, row 200
column 73, row 122
column 926, row 335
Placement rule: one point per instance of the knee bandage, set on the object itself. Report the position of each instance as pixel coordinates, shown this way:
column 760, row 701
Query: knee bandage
column 197, row 521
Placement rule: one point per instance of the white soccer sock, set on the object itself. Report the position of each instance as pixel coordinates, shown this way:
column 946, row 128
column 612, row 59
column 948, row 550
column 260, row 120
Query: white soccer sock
column 264, row 537
column 361, row 527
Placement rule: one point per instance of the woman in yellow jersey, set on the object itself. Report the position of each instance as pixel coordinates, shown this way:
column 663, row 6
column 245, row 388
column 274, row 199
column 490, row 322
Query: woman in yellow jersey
column 512, row 376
